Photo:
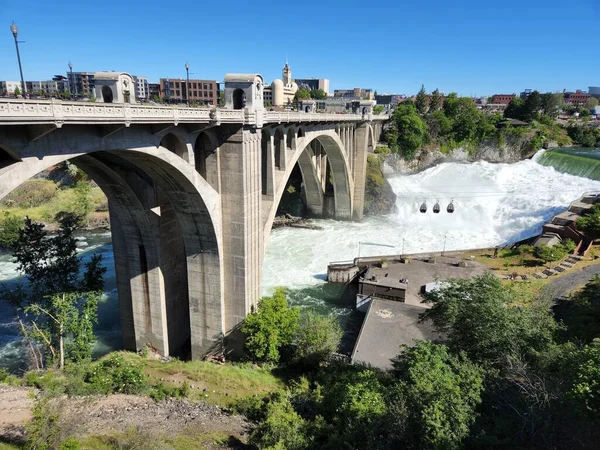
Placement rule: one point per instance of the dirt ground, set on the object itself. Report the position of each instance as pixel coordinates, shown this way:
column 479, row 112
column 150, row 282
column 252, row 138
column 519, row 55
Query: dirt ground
column 113, row 414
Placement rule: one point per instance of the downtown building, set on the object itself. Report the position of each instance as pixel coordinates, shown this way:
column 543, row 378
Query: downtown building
column 173, row 90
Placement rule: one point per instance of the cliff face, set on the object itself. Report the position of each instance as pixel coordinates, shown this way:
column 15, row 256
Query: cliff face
column 379, row 196
column 510, row 151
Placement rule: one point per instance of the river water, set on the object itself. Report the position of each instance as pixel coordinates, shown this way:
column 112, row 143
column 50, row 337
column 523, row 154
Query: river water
column 494, row 204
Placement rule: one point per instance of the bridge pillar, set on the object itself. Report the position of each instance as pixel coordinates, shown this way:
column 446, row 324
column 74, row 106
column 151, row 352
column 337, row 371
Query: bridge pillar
column 242, row 231
column 361, row 143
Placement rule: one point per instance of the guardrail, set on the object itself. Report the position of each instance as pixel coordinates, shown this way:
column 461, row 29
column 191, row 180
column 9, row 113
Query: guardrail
column 25, row 111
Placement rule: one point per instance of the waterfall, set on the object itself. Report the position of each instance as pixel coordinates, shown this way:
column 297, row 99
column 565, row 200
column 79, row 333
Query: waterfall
column 575, row 161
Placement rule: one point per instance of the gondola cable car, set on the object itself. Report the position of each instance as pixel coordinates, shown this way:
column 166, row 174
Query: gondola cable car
column 423, row 207
column 450, row 208
column 436, row 207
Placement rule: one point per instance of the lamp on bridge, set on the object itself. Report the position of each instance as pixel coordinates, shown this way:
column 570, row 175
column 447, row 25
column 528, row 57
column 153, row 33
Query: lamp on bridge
column 71, row 80
column 15, row 31
column 187, row 83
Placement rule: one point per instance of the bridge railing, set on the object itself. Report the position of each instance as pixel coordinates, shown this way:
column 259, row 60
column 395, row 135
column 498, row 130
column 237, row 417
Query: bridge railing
column 25, row 111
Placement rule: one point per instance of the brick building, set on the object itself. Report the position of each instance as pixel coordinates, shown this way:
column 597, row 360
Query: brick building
column 502, row 99
column 203, row 91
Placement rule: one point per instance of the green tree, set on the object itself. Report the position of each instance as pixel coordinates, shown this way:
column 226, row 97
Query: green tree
column 271, row 327
column 9, row 230
column 584, row 378
column 550, row 104
column 317, row 338
column 421, row 100
column 590, row 223
column 318, row 94
column 302, row 94
column 451, row 106
column 59, row 310
column 439, row 125
column 378, row 109
column 17, row 92
column 410, row 130
column 532, row 106
column 514, row 110
column 435, row 102
column 82, row 205
column 442, row 393
column 478, row 317
column 281, row 428
column 591, row 103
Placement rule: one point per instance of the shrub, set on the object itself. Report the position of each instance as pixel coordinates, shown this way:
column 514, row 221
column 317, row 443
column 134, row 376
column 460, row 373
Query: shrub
column 382, row 150
column 317, row 338
column 271, row 327
column 9, row 230
column 282, row 428
column 43, row 431
column 114, row 374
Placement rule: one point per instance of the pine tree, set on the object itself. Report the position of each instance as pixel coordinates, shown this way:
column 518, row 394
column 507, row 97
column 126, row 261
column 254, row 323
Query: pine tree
column 421, row 101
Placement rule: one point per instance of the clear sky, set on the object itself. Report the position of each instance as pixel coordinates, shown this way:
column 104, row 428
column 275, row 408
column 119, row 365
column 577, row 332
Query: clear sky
column 473, row 47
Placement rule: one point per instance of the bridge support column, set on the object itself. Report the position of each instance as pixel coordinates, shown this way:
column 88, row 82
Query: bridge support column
column 242, row 232
column 361, row 142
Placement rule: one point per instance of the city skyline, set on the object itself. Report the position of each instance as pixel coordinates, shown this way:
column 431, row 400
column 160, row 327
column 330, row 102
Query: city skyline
column 471, row 49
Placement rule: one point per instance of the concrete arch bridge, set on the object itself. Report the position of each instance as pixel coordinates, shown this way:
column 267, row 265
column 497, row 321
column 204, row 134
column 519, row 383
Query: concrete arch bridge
column 192, row 193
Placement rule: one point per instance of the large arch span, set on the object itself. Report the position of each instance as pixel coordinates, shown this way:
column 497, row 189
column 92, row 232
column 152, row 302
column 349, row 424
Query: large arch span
column 166, row 228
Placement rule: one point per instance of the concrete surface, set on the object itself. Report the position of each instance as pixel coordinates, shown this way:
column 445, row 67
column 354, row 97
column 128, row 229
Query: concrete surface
column 388, row 325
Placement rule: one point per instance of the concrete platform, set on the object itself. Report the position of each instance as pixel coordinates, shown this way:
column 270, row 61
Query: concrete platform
column 389, row 324
column 418, row 273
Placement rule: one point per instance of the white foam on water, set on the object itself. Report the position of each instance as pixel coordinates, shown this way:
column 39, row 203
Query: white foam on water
column 494, row 204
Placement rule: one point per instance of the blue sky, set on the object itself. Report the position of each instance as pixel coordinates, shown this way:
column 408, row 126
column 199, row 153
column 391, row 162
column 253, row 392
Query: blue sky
column 473, row 47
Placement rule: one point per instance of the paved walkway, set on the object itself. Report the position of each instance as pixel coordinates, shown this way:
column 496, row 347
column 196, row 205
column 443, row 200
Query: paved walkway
column 565, row 284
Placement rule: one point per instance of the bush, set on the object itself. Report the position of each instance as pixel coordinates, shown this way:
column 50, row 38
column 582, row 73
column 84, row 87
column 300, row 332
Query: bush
column 282, row 428
column 548, row 254
column 271, row 327
column 382, row 150
column 9, row 230
column 43, row 431
column 317, row 338
column 114, row 374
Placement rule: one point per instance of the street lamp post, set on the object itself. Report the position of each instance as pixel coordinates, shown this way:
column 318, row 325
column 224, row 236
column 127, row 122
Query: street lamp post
column 187, row 81
column 71, row 80
column 444, row 249
column 15, row 32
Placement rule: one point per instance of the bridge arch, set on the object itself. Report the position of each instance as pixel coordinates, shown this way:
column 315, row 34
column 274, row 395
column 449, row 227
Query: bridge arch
column 206, row 157
column 313, row 178
column 166, row 229
column 175, row 144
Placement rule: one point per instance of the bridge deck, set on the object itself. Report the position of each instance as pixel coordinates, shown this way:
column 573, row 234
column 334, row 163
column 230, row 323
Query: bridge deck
column 27, row 112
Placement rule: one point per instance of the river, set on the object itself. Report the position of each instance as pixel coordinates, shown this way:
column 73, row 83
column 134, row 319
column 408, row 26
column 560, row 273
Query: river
column 494, row 204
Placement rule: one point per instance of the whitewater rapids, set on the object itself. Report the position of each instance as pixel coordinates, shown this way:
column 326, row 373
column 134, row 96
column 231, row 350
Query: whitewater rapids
column 494, row 204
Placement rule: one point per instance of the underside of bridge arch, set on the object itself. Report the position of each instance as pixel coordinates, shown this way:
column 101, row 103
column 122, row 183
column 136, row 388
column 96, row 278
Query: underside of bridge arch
column 326, row 183
column 165, row 243
column 174, row 144
column 206, row 158
column 7, row 158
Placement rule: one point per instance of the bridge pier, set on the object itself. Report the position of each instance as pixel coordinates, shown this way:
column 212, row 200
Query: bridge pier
column 241, row 200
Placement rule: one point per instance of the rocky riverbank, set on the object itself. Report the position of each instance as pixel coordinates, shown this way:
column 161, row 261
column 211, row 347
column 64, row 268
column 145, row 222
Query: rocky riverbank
column 512, row 150
column 288, row 220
